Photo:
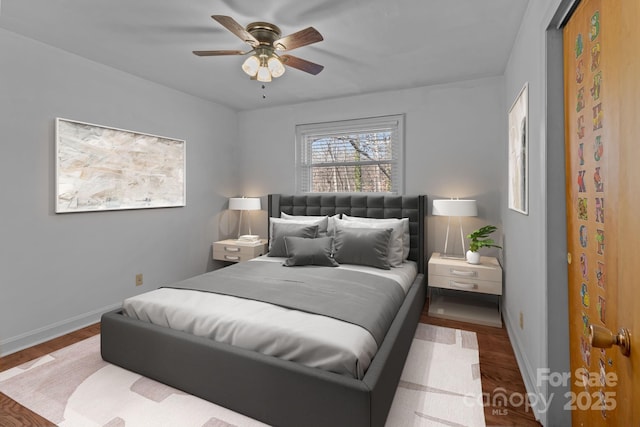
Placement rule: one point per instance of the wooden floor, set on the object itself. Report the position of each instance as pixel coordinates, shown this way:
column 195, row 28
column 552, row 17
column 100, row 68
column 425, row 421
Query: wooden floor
column 498, row 368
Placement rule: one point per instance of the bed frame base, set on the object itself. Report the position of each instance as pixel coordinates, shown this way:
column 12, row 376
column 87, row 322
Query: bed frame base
column 274, row 391
column 271, row 390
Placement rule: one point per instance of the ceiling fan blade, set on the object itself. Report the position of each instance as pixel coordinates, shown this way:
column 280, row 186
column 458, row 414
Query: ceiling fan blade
column 218, row 52
column 300, row 38
column 232, row 25
column 301, row 64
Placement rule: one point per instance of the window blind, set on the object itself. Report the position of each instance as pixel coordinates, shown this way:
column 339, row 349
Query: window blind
column 364, row 155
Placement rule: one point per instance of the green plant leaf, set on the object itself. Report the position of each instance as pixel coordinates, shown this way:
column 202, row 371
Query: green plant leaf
column 479, row 238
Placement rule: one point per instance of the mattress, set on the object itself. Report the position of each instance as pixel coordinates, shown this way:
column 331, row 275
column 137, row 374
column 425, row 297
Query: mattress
column 310, row 339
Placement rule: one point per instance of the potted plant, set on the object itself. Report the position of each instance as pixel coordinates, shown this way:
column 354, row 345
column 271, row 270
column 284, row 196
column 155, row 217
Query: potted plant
column 480, row 239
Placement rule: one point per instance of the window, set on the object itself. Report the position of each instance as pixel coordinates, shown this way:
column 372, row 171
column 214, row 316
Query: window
column 353, row 156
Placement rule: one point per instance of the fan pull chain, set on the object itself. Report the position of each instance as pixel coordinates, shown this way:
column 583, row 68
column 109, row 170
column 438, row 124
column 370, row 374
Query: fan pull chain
column 264, row 96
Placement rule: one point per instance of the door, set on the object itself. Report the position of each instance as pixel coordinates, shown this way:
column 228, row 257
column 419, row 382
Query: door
column 602, row 146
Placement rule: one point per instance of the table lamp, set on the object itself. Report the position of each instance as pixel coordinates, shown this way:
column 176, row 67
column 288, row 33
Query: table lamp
column 454, row 207
column 245, row 204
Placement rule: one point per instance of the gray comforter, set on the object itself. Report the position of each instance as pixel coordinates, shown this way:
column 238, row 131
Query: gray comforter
column 363, row 299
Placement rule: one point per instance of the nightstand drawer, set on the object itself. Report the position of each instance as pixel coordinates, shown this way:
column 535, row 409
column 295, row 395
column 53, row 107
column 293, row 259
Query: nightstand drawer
column 457, row 286
column 466, row 284
column 234, row 251
column 232, row 257
column 464, row 271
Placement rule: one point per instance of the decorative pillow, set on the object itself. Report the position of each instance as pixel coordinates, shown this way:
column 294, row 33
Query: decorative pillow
column 330, row 224
column 281, row 230
column 406, row 237
column 363, row 246
column 322, row 224
column 396, row 242
column 305, row 251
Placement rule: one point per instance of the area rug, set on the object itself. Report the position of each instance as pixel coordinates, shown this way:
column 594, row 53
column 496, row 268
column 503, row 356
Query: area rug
column 440, row 386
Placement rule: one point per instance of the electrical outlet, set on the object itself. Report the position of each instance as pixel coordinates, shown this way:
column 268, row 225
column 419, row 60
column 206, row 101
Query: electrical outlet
column 138, row 279
column 521, row 320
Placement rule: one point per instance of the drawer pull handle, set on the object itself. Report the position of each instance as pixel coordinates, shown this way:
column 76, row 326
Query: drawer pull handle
column 232, row 257
column 464, row 273
column 465, row 286
column 231, row 249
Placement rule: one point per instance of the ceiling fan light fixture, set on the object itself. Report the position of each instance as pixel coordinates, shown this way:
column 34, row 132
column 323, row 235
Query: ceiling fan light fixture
column 251, row 65
column 264, row 75
column 275, row 67
column 265, row 38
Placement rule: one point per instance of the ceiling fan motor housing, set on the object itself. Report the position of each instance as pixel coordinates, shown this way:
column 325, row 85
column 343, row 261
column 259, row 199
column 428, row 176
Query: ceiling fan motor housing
column 264, row 32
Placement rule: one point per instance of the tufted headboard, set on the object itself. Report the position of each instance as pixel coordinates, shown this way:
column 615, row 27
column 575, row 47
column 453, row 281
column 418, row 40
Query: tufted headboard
column 371, row 206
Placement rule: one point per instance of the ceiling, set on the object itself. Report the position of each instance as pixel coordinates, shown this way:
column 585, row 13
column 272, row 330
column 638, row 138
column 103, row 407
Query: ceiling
column 369, row 45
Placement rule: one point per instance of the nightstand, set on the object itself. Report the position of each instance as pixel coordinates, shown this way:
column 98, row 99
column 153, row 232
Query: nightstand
column 233, row 250
column 466, row 292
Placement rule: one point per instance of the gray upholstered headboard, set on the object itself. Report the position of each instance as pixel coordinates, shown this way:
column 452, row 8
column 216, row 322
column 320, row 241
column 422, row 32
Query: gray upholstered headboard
column 371, row 206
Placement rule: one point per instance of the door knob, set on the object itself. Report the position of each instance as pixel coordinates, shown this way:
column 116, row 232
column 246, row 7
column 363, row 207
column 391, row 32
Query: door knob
column 602, row 337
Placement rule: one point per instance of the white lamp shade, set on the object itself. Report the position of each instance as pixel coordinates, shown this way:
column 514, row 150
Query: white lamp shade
column 455, row 207
column 244, row 204
column 275, row 67
column 264, row 75
column 251, row 65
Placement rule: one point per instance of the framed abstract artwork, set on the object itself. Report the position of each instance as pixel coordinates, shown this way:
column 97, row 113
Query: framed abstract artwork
column 101, row 168
column 518, row 186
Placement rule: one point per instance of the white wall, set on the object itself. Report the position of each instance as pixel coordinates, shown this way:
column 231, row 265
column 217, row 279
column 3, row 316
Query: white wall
column 535, row 245
column 454, row 144
column 60, row 271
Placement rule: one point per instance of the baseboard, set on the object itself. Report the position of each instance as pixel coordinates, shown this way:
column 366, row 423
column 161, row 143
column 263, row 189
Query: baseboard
column 40, row 335
column 528, row 375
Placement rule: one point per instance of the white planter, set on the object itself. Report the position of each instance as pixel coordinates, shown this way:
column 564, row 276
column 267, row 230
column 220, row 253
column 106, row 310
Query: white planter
column 473, row 257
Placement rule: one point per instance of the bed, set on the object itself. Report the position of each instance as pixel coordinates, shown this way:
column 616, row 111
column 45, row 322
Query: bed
column 269, row 389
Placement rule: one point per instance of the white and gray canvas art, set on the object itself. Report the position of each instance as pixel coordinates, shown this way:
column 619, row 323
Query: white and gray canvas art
column 519, row 153
column 103, row 168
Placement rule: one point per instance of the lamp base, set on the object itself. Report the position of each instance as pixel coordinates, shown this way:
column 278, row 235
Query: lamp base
column 249, row 238
column 447, row 255
column 453, row 256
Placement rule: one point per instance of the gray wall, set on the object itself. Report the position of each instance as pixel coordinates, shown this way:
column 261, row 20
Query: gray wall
column 535, row 245
column 60, row 271
column 454, row 145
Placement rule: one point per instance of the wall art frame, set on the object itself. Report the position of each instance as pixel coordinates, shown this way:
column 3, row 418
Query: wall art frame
column 101, row 168
column 518, row 186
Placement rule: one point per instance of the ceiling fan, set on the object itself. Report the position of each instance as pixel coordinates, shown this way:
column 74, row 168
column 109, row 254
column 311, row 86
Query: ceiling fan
column 266, row 41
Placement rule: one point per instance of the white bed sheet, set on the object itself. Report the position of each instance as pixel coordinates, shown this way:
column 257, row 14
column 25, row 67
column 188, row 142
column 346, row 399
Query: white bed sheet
column 310, row 339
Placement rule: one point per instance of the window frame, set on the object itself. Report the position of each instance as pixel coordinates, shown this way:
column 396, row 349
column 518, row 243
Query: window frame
column 395, row 123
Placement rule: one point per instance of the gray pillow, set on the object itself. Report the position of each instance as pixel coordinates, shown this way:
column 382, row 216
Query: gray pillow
column 406, row 237
column 322, row 224
column 281, row 230
column 305, row 251
column 396, row 249
column 330, row 225
column 363, row 246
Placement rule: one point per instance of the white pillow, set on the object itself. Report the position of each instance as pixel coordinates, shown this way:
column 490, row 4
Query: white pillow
column 302, row 217
column 406, row 237
column 322, row 224
column 396, row 242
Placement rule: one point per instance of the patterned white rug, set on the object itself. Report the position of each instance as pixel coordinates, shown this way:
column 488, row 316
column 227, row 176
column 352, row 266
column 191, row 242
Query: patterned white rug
column 440, row 386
